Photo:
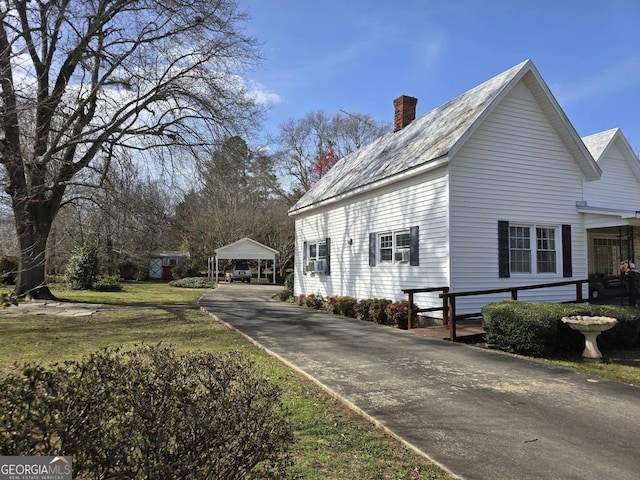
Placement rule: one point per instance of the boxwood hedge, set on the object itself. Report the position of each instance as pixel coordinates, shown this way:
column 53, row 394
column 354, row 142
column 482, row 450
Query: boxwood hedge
column 536, row 329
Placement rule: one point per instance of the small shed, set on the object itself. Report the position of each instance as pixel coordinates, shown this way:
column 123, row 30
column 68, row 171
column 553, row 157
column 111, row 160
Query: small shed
column 162, row 262
column 244, row 249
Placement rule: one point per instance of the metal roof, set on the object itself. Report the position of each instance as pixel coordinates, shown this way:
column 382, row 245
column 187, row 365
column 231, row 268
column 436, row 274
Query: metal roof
column 435, row 135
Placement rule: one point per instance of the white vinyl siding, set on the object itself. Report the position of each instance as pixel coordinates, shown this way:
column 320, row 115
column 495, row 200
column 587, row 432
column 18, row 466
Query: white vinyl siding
column 419, row 201
column 618, row 186
column 514, row 167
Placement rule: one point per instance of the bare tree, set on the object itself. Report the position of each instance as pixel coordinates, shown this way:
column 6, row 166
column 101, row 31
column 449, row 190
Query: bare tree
column 318, row 136
column 81, row 79
column 237, row 189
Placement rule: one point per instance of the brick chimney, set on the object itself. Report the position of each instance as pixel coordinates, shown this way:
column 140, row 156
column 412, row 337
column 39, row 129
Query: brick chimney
column 405, row 111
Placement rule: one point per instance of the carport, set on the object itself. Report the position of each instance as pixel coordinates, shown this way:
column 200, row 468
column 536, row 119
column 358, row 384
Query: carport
column 244, row 249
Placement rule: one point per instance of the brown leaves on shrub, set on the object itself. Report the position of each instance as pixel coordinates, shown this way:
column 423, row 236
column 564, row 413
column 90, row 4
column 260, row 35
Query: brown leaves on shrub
column 148, row 413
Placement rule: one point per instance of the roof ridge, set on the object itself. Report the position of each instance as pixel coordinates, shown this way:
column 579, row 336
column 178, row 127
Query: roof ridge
column 428, row 137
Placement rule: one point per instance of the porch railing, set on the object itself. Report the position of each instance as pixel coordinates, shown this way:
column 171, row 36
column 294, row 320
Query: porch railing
column 448, row 308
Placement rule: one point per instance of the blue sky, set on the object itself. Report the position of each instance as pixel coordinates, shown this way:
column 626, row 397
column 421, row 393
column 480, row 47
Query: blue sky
column 357, row 55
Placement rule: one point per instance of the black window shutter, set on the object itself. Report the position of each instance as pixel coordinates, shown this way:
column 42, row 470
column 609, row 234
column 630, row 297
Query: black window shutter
column 414, row 245
column 567, row 269
column 304, row 258
column 327, row 269
column 503, row 249
column 372, row 249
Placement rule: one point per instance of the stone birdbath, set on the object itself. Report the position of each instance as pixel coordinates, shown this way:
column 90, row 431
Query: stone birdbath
column 590, row 327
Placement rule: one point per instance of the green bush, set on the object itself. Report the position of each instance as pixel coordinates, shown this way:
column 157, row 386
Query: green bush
column 191, row 282
column 82, row 269
column 8, row 270
column 183, row 271
column 9, row 299
column 288, row 282
column 341, row 305
column 536, row 329
column 108, row 283
column 520, row 327
column 625, row 334
column 148, row 413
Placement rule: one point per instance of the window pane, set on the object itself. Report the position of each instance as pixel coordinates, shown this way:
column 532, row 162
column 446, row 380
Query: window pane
column 520, row 249
column 312, row 251
column 546, row 262
column 322, row 250
column 521, row 261
column 386, row 247
column 519, row 237
column 546, row 251
column 402, row 240
column 546, row 238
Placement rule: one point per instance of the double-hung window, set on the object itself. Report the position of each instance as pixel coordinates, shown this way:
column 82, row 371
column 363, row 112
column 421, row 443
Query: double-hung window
column 533, row 249
column 316, row 255
column 394, row 247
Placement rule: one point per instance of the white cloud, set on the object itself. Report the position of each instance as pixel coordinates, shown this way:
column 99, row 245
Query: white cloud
column 261, row 95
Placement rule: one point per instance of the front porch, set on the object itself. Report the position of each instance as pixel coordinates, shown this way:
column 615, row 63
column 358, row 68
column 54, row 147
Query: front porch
column 611, row 254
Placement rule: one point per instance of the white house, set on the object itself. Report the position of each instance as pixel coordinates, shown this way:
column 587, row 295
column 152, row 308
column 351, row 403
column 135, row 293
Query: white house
column 492, row 189
column 611, row 204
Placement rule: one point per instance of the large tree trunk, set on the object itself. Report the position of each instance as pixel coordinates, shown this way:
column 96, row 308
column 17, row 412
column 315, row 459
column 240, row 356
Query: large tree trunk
column 33, row 224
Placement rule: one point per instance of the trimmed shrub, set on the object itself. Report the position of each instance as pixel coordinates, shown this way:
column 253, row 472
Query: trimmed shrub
column 82, row 269
column 341, row 305
column 373, row 310
column 288, row 282
column 625, row 334
column 520, row 327
column 8, row 270
column 149, row 413
column 314, row 301
column 536, row 329
column 108, row 283
column 191, row 282
column 362, row 309
column 398, row 314
column 378, row 311
column 301, row 300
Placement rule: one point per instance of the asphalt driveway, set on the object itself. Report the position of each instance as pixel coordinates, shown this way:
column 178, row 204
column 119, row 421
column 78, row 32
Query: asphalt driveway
column 478, row 413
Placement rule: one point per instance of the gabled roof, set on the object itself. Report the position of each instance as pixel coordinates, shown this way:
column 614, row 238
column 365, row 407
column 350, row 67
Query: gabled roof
column 599, row 143
column 436, row 137
column 246, row 249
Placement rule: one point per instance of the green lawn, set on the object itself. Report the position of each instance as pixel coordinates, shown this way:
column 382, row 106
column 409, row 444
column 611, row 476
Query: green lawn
column 332, row 442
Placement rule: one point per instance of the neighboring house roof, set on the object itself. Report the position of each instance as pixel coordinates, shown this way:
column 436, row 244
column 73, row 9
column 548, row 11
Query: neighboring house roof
column 599, row 143
column 245, row 249
column 169, row 253
column 437, row 136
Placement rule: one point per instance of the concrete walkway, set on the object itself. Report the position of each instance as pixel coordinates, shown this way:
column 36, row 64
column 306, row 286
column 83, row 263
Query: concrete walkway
column 478, row 413
column 65, row 309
